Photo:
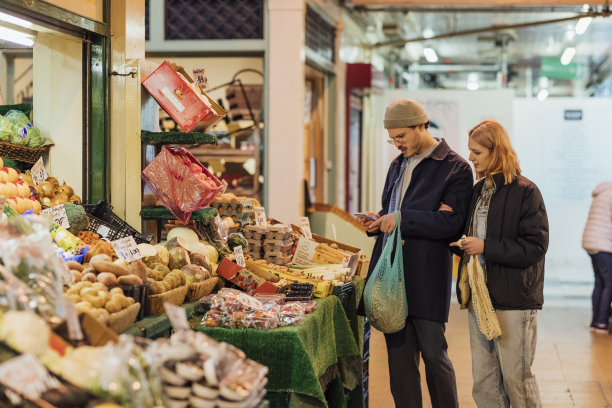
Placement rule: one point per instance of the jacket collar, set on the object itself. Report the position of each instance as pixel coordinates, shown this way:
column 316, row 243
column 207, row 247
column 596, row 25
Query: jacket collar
column 439, row 153
column 498, row 178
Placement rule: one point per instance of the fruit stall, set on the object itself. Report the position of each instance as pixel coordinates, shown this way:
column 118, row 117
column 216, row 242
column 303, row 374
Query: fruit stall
column 211, row 305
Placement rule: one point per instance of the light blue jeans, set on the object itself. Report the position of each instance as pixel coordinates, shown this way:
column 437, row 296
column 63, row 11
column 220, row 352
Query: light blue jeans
column 502, row 367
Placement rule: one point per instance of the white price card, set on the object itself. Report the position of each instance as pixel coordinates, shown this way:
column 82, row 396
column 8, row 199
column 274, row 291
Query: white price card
column 305, row 227
column 72, row 321
column 39, row 173
column 27, row 376
column 103, row 230
column 177, row 316
column 260, row 217
column 127, row 249
column 239, row 256
column 58, row 215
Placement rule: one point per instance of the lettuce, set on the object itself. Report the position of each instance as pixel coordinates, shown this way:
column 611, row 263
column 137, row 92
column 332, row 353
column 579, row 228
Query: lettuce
column 6, row 129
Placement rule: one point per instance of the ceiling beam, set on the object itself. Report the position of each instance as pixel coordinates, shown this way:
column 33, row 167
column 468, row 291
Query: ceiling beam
column 476, row 2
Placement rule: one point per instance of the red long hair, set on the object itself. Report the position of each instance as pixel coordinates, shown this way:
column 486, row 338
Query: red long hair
column 492, row 135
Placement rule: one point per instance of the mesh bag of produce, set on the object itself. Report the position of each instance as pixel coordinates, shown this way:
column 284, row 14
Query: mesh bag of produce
column 181, row 182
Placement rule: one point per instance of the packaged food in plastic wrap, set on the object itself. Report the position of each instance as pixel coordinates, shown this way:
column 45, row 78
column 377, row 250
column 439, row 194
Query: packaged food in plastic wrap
column 229, row 300
column 6, row 129
column 261, row 320
column 291, row 313
column 181, row 182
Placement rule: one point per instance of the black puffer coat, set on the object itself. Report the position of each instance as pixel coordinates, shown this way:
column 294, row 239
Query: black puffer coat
column 516, row 242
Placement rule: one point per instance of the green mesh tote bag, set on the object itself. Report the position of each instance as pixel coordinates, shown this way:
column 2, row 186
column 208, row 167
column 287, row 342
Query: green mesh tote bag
column 385, row 294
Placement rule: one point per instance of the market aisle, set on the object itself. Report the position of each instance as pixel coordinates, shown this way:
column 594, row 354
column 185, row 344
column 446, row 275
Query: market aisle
column 572, row 365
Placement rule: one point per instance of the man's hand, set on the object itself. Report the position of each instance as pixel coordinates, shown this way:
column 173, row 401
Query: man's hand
column 471, row 245
column 368, row 220
column 385, row 224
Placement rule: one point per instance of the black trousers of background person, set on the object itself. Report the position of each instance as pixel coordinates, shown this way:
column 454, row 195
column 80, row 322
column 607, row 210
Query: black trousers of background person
column 421, row 338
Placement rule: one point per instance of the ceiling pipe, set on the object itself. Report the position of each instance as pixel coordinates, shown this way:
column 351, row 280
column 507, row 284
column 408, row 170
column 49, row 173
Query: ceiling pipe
column 436, row 68
column 501, row 27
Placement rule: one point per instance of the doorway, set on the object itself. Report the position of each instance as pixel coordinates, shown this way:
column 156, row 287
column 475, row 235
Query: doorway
column 314, row 135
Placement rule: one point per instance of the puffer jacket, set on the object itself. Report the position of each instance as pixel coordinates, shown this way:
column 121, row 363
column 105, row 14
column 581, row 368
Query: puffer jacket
column 516, row 242
column 597, row 235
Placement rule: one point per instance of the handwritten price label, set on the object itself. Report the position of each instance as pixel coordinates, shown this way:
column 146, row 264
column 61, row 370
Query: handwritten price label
column 260, row 217
column 103, row 230
column 239, row 256
column 57, row 214
column 177, row 316
column 39, row 173
column 305, row 227
column 126, row 248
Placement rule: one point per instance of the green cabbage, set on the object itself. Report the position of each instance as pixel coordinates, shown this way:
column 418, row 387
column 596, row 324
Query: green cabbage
column 17, row 117
column 36, row 138
column 24, row 133
column 6, row 129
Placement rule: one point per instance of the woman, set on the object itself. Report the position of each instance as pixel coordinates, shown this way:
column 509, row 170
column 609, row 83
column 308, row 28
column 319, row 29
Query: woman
column 507, row 229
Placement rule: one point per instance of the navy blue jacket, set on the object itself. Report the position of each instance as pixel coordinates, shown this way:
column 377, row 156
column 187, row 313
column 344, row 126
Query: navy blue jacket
column 445, row 177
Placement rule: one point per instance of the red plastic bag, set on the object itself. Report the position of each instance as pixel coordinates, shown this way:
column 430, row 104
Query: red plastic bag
column 181, row 182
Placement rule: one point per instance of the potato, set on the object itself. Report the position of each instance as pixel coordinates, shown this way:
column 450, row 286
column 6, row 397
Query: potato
column 100, row 286
column 108, row 279
column 129, row 280
column 89, row 277
column 115, row 291
column 139, row 269
column 74, row 298
column 100, row 258
column 155, row 275
column 113, row 306
column 91, row 291
column 76, row 275
column 75, row 266
column 155, row 288
column 163, row 254
column 161, row 268
column 94, row 301
column 127, row 301
column 72, row 291
column 118, row 270
column 82, row 306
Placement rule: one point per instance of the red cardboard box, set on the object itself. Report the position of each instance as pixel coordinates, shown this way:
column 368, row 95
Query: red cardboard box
column 179, row 99
column 246, row 280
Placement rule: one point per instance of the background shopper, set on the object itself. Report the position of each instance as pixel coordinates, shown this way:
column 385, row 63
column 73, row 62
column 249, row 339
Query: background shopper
column 425, row 174
column 597, row 241
column 507, row 229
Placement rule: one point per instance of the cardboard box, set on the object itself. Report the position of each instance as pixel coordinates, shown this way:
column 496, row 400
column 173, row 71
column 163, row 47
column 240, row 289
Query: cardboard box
column 248, row 281
column 314, row 252
column 179, row 99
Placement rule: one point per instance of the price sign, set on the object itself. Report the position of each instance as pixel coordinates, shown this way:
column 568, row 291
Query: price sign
column 260, row 217
column 126, row 248
column 57, row 214
column 177, row 316
column 103, row 230
column 72, row 321
column 239, row 256
column 201, row 79
column 26, row 375
column 305, row 227
column 39, row 173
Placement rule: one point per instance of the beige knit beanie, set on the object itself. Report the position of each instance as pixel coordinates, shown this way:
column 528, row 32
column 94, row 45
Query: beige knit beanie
column 403, row 113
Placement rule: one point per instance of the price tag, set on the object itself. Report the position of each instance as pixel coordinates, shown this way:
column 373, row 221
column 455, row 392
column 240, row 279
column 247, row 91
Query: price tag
column 57, row 214
column 177, row 316
column 126, row 248
column 260, row 217
column 39, row 173
column 27, row 376
column 305, row 227
column 72, row 321
column 239, row 256
column 103, row 230
column 201, row 80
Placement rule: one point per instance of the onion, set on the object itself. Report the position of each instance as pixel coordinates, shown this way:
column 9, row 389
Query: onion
column 47, row 188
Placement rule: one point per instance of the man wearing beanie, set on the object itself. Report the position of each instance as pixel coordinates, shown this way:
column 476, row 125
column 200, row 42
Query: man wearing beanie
column 430, row 185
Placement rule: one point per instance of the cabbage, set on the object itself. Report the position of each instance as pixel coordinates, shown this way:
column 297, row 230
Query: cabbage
column 17, row 117
column 208, row 250
column 187, row 234
column 35, row 138
column 6, row 129
column 22, row 128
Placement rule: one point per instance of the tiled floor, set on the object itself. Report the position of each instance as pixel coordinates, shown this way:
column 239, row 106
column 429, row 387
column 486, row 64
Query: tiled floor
column 573, row 366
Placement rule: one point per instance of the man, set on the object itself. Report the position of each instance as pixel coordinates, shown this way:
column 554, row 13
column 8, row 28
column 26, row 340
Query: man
column 430, row 185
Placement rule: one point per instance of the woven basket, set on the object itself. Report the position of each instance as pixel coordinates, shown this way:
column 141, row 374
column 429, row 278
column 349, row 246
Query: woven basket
column 175, row 297
column 22, row 153
column 200, row 289
column 123, row 319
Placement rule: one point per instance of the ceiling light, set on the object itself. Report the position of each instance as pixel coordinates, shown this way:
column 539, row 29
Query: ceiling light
column 582, row 25
column 568, row 54
column 473, row 86
column 472, row 81
column 543, row 82
column 542, row 95
column 570, row 35
column 14, row 20
column 430, row 55
column 428, row 33
column 16, row 37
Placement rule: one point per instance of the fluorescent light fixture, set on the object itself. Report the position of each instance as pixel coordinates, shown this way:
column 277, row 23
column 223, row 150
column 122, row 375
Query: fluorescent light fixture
column 570, row 34
column 472, row 81
column 568, row 54
column 16, row 37
column 542, row 95
column 430, row 54
column 428, row 33
column 473, row 86
column 14, row 20
column 582, row 25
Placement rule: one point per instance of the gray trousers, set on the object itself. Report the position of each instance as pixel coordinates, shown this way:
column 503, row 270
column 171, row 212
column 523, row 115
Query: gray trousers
column 421, row 338
column 502, row 367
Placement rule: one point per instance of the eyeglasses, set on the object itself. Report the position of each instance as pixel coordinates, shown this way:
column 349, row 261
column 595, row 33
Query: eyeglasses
column 396, row 140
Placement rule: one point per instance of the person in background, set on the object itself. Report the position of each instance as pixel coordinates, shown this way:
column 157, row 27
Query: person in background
column 597, row 241
column 507, row 228
column 430, row 185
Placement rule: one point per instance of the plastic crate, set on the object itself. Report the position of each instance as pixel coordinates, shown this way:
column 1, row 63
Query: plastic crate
column 102, row 214
column 343, row 292
column 140, row 294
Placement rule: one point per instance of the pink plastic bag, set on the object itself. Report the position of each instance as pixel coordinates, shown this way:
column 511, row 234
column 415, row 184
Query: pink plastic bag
column 181, row 182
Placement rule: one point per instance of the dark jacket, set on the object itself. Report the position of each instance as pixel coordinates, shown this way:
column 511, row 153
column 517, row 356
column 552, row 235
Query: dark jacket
column 442, row 177
column 516, row 242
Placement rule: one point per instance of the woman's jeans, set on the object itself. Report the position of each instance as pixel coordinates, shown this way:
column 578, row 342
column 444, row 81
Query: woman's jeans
column 502, row 367
column 602, row 292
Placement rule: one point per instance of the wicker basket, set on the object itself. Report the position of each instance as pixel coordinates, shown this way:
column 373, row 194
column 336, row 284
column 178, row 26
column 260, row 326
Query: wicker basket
column 22, row 153
column 123, row 319
column 200, row 289
column 175, row 297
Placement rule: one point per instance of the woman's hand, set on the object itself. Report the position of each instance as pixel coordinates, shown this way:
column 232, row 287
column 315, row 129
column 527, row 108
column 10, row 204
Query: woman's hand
column 471, row 245
column 385, row 224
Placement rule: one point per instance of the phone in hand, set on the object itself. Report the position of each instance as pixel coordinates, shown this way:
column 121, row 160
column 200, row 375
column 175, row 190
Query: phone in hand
column 364, row 215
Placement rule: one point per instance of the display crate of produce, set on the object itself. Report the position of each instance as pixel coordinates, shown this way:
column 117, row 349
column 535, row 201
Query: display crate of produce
column 23, row 153
column 113, row 232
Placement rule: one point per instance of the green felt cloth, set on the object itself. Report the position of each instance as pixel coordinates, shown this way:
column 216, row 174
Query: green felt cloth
column 156, row 326
column 177, row 138
column 303, row 359
column 162, row 213
column 23, row 107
